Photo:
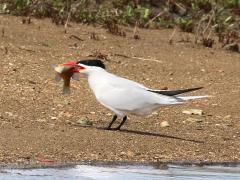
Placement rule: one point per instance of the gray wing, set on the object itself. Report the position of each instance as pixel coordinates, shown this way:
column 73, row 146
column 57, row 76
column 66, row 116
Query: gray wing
column 120, row 81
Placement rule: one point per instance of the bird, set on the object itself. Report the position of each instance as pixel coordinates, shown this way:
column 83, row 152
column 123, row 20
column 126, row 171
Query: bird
column 125, row 97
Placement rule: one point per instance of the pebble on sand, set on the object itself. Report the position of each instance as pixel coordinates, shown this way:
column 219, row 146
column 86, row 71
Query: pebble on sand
column 164, row 124
column 193, row 111
column 53, row 118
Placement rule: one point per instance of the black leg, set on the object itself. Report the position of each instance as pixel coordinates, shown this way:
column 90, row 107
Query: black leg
column 111, row 123
column 123, row 121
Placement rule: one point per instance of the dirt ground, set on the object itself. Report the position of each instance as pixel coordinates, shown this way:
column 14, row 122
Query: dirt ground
column 38, row 123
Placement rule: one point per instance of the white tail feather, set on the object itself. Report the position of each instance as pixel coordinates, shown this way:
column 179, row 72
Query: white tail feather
column 186, row 98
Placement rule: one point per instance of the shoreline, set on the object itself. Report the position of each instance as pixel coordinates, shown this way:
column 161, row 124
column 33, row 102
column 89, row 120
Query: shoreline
column 156, row 165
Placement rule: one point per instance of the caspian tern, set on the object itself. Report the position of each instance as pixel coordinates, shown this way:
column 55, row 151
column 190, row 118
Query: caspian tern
column 125, row 97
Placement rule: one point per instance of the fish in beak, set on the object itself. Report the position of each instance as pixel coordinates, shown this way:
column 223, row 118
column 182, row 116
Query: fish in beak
column 66, row 71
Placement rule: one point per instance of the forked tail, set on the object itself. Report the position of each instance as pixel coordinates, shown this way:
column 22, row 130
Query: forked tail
column 187, row 98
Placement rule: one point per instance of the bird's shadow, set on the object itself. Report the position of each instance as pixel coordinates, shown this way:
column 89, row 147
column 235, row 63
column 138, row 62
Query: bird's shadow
column 152, row 134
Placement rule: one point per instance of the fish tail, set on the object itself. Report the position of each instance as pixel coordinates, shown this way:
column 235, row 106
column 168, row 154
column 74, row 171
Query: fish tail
column 66, row 90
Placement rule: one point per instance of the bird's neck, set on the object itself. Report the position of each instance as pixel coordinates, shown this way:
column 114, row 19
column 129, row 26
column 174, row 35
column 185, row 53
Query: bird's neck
column 97, row 80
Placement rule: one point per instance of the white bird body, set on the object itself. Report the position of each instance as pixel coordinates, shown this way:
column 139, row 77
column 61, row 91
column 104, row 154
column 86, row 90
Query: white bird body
column 123, row 96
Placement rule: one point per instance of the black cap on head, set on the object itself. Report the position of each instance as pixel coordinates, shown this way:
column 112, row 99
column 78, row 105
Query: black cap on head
column 92, row 62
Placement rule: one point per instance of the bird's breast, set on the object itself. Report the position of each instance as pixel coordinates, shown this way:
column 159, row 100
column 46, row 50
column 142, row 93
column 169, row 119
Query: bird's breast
column 97, row 85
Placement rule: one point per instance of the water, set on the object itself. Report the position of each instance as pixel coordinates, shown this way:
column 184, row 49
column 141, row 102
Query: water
column 87, row 172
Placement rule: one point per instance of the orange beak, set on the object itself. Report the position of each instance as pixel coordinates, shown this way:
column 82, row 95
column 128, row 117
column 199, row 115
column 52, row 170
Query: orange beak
column 74, row 64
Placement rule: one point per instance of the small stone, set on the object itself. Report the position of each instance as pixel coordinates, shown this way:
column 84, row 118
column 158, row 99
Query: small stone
column 85, row 122
column 164, row 124
column 109, row 114
column 92, row 112
column 53, row 118
column 122, row 153
column 193, row 120
column 193, row 111
column 154, row 113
